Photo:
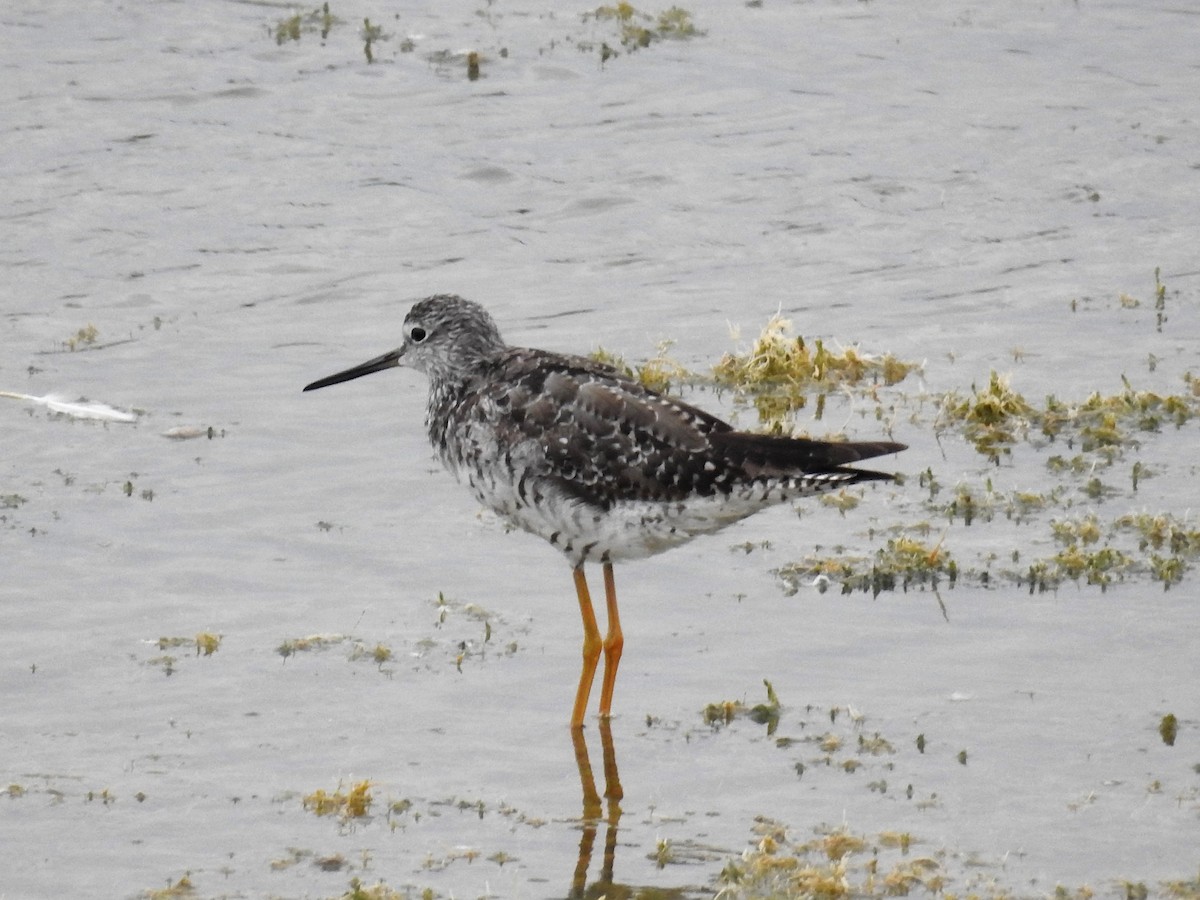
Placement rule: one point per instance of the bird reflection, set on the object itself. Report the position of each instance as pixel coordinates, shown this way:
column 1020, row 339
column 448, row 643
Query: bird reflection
column 606, row 810
column 596, row 811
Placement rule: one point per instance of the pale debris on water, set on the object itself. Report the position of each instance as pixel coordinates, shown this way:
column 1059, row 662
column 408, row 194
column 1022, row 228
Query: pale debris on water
column 76, row 409
column 188, row 432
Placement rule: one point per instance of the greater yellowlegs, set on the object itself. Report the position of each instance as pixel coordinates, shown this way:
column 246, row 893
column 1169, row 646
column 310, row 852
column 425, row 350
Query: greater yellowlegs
column 597, row 464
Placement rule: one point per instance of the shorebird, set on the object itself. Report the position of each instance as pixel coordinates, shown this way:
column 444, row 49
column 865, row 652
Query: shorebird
column 600, row 466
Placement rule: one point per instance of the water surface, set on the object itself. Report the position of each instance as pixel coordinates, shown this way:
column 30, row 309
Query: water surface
column 970, row 186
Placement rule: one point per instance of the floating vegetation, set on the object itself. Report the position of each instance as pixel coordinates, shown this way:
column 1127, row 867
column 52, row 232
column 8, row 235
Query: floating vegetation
column 105, row 796
column 1094, row 552
column 173, row 891
column 84, row 336
column 903, row 563
column 843, row 501
column 776, row 375
column 993, row 419
column 1101, row 566
column 288, row 29
column 207, row 643
column 638, row 29
column 779, row 357
column 360, row 651
column 998, row 417
column 722, row 712
column 1102, row 421
column 875, row 745
column 379, row 654
column 1160, row 301
column 1183, row 888
column 352, row 804
column 1168, row 728
column 370, row 35
column 836, row 863
column 310, row 643
column 767, row 713
column 1167, row 547
column 377, row 891
column 1161, row 532
column 659, row 373
column 465, row 640
column 971, row 505
column 780, row 370
column 1072, row 531
column 319, row 20
column 166, row 662
column 725, row 711
column 322, row 21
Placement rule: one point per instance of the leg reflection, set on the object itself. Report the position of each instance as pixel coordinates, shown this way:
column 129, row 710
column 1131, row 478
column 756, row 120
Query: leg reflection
column 595, row 812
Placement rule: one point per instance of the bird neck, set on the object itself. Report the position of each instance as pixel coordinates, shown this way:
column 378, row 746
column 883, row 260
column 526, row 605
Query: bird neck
column 445, row 396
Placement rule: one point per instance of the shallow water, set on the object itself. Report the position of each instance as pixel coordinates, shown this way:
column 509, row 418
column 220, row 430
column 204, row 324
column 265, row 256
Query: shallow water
column 970, row 186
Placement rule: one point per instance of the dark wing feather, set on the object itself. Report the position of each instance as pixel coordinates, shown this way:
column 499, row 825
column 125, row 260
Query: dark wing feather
column 771, row 455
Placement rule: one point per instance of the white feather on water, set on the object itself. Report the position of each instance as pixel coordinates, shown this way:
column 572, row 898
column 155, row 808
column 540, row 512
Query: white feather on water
column 77, row 409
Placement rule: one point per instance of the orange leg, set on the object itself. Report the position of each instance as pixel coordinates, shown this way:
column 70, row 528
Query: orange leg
column 613, row 643
column 591, row 648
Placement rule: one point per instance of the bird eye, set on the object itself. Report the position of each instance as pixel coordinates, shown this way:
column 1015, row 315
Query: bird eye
column 417, row 334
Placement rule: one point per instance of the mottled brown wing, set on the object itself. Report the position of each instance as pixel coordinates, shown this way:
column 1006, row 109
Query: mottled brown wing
column 604, row 438
column 600, row 436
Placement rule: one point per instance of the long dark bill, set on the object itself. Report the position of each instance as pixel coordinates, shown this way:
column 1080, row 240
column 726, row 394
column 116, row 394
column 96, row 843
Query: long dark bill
column 378, row 364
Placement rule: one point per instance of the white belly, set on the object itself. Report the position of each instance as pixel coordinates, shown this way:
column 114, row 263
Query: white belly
column 631, row 529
